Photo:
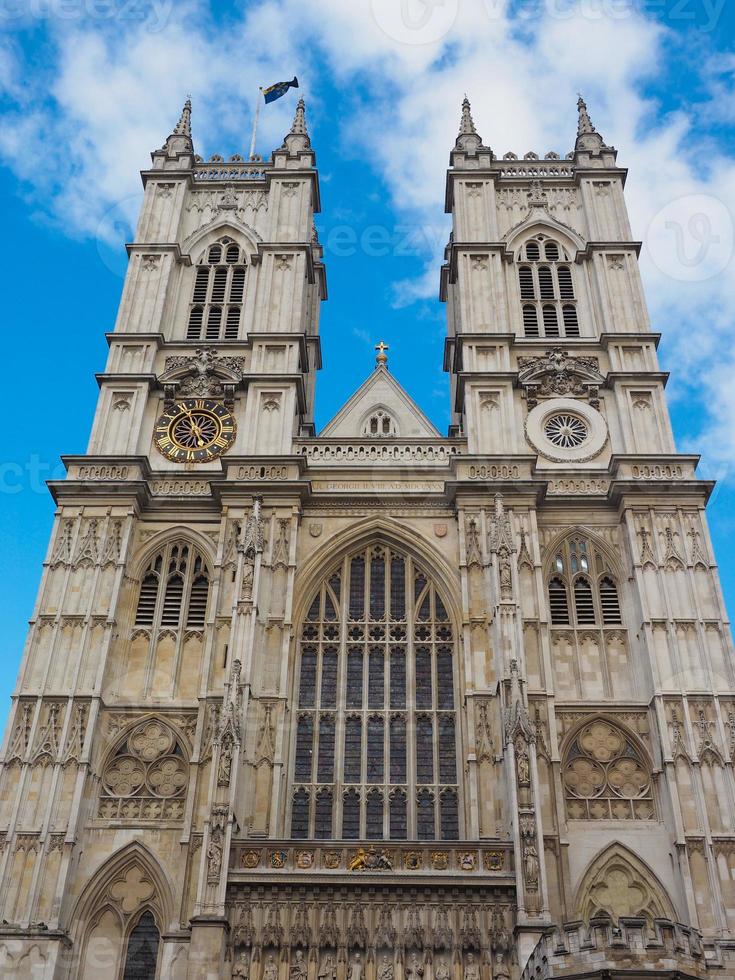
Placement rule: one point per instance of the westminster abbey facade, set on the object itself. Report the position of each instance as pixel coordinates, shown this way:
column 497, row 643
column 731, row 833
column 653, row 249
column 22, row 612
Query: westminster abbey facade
column 377, row 703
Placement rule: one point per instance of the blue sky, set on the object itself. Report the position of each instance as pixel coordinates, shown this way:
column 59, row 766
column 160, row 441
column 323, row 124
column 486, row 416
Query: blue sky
column 90, row 87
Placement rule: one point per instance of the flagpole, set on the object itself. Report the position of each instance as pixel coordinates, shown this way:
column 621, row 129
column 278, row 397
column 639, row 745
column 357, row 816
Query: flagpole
column 255, row 124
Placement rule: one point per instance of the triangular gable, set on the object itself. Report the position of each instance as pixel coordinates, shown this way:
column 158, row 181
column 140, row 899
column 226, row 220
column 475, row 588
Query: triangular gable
column 379, row 392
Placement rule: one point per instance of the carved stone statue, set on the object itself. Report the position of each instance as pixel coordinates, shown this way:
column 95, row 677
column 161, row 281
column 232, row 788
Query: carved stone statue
column 385, row 968
column 224, row 773
column 414, row 969
column 298, row 967
column 471, row 968
column 270, row 970
column 441, row 970
column 355, row 970
column 328, row 969
column 531, row 866
column 524, row 770
column 214, row 856
column 241, row 968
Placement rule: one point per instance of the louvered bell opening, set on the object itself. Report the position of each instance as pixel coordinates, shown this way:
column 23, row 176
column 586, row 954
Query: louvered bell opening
column 566, row 289
column 525, row 280
column 214, row 322
column 558, row 604
column 571, row 326
column 551, row 252
column 147, row 600
column 610, row 603
column 551, row 322
column 219, row 285
column 194, row 329
column 172, row 601
column 532, row 252
column 237, row 286
column 233, row 254
column 232, row 323
column 545, row 282
column 584, row 605
column 215, row 254
column 200, row 285
column 198, row 602
column 530, row 321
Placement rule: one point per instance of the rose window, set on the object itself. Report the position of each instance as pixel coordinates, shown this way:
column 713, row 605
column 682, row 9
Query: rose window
column 566, row 431
column 146, row 778
column 605, row 777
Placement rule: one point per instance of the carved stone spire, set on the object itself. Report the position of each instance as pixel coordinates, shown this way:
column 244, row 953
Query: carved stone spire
column 183, row 126
column 585, row 123
column 468, row 137
column 588, row 139
column 298, row 136
column 179, row 143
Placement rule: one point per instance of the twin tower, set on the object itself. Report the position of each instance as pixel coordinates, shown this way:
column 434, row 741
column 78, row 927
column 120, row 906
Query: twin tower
column 377, row 703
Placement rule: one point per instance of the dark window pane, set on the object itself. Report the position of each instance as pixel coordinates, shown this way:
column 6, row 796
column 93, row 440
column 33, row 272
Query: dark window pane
column 397, row 677
column 329, row 678
column 397, row 749
column 354, row 677
column 441, row 612
column 424, row 750
column 375, row 749
column 335, row 584
column 423, row 677
column 449, row 815
column 330, row 613
column 397, row 588
column 325, row 763
column 374, row 815
column 307, row 681
column 398, row 823
column 304, row 748
column 357, row 588
column 351, row 815
column 445, row 679
column 447, row 750
column 424, row 613
column 376, row 678
column 313, row 613
column 419, row 585
column 377, row 588
column 353, row 749
column 425, row 815
column 142, row 956
column 300, row 815
column 323, row 815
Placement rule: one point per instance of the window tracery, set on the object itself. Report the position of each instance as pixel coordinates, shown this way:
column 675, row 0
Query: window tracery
column 548, row 301
column 375, row 752
column 380, row 423
column 581, row 571
column 605, row 776
column 174, row 590
column 215, row 311
column 147, row 776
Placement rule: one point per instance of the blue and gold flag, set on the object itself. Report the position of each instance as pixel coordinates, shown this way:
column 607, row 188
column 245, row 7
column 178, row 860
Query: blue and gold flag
column 274, row 92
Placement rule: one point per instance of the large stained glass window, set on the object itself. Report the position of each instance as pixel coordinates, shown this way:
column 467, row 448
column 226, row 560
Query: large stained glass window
column 375, row 740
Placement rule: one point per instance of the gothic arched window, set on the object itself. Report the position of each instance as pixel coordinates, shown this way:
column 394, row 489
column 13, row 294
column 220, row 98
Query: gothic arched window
column 545, row 279
column 141, row 959
column 219, row 286
column 606, row 776
column 174, row 590
column 375, row 741
column 581, row 570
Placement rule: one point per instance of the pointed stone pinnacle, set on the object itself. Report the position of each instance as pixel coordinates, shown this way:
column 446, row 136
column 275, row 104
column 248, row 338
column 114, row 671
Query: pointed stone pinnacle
column 298, row 127
column 467, row 123
column 585, row 123
column 183, row 126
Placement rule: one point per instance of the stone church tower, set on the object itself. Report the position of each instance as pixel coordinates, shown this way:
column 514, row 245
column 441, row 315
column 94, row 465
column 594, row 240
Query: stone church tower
column 376, row 704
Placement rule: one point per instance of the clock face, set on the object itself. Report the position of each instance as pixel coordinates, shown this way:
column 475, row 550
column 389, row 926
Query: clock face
column 194, row 430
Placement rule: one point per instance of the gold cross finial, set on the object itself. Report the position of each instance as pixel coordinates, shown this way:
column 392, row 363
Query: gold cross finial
column 382, row 357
